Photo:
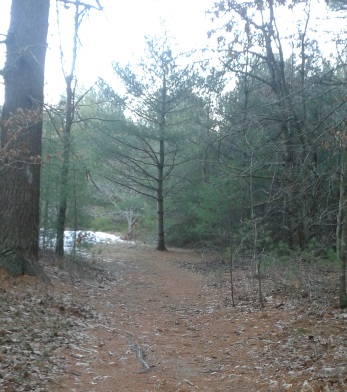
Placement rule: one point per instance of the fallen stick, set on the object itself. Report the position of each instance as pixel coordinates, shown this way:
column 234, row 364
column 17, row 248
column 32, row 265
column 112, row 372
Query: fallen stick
column 139, row 352
column 140, row 355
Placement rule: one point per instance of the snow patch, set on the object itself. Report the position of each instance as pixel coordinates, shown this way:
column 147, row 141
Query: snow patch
column 84, row 238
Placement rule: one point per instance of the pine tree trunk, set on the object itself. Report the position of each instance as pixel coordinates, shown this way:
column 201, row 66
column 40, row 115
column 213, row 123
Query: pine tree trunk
column 341, row 230
column 62, row 208
column 161, row 164
column 160, row 200
column 21, row 135
column 161, row 235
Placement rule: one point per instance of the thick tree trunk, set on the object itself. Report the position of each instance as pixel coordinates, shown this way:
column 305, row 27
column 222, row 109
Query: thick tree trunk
column 21, row 132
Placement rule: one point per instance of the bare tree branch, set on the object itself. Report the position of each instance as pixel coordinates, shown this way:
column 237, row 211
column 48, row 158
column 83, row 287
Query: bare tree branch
column 98, row 6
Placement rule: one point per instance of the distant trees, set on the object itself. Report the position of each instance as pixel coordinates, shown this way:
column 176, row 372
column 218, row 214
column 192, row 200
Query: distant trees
column 21, row 128
column 337, row 4
column 126, row 205
column 291, row 100
column 255, row 53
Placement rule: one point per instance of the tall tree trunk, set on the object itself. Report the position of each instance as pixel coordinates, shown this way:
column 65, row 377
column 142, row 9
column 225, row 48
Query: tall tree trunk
column 161, row 163
column 21, row 135
column 64, row 174
column 160, row 198
column 341, row 230
column 66, row 137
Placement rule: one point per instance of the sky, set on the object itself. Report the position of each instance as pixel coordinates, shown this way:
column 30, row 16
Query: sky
column 117, row 34
column 114, row 34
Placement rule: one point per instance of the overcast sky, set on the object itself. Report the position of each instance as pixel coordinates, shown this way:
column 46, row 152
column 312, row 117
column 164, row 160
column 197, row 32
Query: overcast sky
column 115, row 34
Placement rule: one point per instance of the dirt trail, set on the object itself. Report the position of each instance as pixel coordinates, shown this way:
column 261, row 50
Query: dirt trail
column 159, row 327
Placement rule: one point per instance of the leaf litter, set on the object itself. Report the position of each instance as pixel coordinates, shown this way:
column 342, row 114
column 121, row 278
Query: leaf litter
column 163, row 321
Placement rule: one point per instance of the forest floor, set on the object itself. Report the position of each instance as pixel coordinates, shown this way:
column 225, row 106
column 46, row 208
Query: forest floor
column 135, row 319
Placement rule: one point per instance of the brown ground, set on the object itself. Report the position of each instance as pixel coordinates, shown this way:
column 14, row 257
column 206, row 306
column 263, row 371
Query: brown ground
column 139, row 320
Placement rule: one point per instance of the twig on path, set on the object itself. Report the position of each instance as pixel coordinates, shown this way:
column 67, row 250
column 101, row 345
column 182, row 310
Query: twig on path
column 139, row 352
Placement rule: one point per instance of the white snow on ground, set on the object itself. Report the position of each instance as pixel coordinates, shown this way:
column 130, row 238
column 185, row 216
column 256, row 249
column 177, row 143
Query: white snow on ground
column 84, row 238
column 90, row 237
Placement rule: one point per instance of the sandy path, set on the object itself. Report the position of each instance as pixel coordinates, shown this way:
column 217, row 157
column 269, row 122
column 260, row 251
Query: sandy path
column 163, row 328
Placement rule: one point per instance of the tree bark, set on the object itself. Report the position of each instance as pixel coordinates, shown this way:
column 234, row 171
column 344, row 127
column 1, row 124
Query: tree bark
column 64, row 174
column 341, row 230
column 160, row 196
column 160, row 217
column 160, row 166
column 21, row 135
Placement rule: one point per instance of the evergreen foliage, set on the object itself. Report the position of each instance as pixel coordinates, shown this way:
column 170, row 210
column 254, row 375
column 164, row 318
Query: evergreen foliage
column 246, row 157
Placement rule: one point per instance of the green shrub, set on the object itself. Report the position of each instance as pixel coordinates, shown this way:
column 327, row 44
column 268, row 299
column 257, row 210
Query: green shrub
column 102, row 223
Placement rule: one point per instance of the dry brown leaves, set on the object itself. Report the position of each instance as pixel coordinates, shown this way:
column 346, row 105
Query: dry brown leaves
column 146, row 322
